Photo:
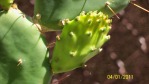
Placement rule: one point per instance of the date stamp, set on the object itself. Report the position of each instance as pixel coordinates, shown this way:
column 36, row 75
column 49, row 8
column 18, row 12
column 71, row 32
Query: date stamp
column 118, row 76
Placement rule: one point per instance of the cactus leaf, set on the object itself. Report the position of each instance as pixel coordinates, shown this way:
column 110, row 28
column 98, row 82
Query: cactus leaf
column 23, row 55
column 80, row 40
column 53, row 11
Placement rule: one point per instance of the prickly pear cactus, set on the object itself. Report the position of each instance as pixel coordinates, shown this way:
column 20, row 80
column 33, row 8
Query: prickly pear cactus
column 5, row 4
column 81, row 39
column 23, row 55
column 50, row 13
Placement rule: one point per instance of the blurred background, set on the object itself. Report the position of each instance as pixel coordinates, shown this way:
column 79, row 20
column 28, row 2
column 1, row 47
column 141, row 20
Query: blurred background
column 127, row 52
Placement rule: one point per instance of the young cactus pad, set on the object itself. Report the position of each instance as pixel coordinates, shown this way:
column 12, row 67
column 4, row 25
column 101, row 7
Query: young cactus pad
column 5, row 4
column 81, row 39
column 23, row 55
column 49, row 13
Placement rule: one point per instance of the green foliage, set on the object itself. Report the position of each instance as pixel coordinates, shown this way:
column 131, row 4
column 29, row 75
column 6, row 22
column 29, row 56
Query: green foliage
column 23, row 55
column 81, row 39
column 5, row 4
column 50, row 12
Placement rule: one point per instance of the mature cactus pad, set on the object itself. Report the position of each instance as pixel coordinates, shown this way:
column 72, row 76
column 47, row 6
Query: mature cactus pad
column 50, row 12
column 81, row 39
column 5, row 4
column 23, row 56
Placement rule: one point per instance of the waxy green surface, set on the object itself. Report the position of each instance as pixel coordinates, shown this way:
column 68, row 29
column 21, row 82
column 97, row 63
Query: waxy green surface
column 23, row 55
column 51, row 12
column 80, row 40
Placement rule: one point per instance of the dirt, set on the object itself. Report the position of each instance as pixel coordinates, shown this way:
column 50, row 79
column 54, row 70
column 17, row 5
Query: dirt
column 127, row 52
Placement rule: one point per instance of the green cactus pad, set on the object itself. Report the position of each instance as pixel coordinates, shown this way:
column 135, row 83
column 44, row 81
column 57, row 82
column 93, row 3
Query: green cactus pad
column 23, row 55
column 81, row 39
column 5, row 4
column 49, row 13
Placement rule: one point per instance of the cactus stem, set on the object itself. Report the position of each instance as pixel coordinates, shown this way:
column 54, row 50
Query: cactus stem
column 139, row 7
column 19, row 62
column 107, row 4
column 58, row 37
column 73, row 53
column 9, row 30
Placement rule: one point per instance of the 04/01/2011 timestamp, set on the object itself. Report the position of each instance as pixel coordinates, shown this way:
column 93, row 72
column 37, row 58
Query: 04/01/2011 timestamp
column 117, row 76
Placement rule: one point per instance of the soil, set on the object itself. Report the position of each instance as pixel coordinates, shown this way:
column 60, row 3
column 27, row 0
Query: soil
column 127, row 52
